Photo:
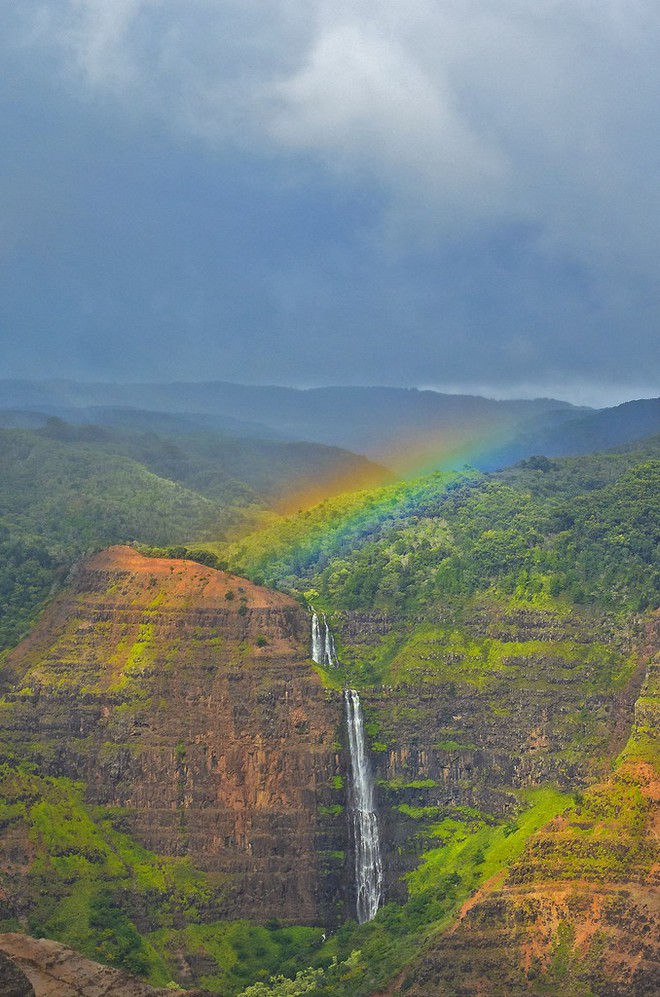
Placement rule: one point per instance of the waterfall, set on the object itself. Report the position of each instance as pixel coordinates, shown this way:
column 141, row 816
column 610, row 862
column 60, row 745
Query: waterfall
column 318, row 641
column 368, row 868
column 330, row 654
column 323, row 643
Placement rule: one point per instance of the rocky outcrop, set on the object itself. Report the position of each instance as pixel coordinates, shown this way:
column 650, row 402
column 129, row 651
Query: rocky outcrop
column 185, row 697
column 37, row 967
column 580, row 913
column 13, row 981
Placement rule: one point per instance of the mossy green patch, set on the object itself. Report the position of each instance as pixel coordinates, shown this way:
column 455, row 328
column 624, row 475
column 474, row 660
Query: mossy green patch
column 87, row 876
column 239, row 953
column 436, row 654
column 499, row 845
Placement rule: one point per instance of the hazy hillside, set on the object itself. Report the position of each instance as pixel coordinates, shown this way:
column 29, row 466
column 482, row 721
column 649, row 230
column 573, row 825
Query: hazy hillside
column 140, row 420
column 232, row 470
column 404, row 429
column 376, row 421
column 565, row 433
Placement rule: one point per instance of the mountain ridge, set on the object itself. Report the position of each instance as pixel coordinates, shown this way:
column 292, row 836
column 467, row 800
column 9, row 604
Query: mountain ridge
column 364, row 420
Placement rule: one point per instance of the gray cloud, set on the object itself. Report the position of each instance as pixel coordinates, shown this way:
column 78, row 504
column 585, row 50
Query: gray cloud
column 463, row 113
column 507, row 150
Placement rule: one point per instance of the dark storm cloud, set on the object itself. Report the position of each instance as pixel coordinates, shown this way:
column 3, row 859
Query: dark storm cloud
column 450, row 194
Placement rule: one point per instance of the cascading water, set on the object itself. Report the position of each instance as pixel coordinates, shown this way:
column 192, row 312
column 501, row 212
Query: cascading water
column 330, row 651
column 368, row 867
column 318, row 640
column 323, row 643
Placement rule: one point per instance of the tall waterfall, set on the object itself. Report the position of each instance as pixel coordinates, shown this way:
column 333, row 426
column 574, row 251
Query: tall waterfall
column 368, row 867
column 323, row 643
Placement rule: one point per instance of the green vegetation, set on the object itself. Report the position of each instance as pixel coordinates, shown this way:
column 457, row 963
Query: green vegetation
column 239, row 953
column 475, row 851
column 360, row 959
column 581, row 530
column 90, row 885
column 86, row 875
column 74, row 497
column 450, row 655
column 27, row 573
column 546, row 536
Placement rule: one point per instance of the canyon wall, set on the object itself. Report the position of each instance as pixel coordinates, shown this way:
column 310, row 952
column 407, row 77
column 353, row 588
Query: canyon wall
column 579, row 912
column 185, row 701
column 476, row 708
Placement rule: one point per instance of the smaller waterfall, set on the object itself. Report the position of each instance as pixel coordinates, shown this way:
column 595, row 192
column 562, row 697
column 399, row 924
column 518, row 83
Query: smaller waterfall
column 318, row 641
column 368, row 867
column 323, row 643
column 330, row 654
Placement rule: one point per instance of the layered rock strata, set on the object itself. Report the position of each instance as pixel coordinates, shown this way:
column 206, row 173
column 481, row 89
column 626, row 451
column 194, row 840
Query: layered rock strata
column 186, row 697
column 579, row 913
column 477, row 708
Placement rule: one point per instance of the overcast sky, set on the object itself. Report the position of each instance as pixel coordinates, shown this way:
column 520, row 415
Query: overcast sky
column 462, row 194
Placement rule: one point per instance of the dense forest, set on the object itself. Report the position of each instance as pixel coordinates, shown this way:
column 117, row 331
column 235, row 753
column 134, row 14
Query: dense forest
column 584, row 529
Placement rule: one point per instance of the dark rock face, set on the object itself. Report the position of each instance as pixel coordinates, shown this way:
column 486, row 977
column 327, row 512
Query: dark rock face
column 13, row 981
column 536, row 705
column 579, row 912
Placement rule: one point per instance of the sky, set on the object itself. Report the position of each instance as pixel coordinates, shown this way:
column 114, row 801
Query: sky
column 458, row 194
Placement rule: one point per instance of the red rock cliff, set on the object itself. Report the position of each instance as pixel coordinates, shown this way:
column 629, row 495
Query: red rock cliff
column 186, row 696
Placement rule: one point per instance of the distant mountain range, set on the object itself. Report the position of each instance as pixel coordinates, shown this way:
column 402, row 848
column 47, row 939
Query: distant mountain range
column 402, row 428
column 582, row 433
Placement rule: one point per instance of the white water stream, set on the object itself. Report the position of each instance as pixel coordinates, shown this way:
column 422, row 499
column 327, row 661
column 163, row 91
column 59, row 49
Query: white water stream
column 318, row 640
column 361, row 808
column 368, row 866
column 323, row 643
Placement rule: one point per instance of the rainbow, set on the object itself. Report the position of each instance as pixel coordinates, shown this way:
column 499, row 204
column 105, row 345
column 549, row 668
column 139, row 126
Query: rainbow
column 454, row 448
column 426, row 468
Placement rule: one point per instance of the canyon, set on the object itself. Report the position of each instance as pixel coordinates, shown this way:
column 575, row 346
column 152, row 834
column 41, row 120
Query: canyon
column 179, row 706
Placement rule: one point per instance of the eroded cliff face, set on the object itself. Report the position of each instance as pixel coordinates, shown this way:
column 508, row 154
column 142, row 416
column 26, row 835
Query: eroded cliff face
column 579, row 912
column 185, row 697
column 183, row 703
column 474, row 709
